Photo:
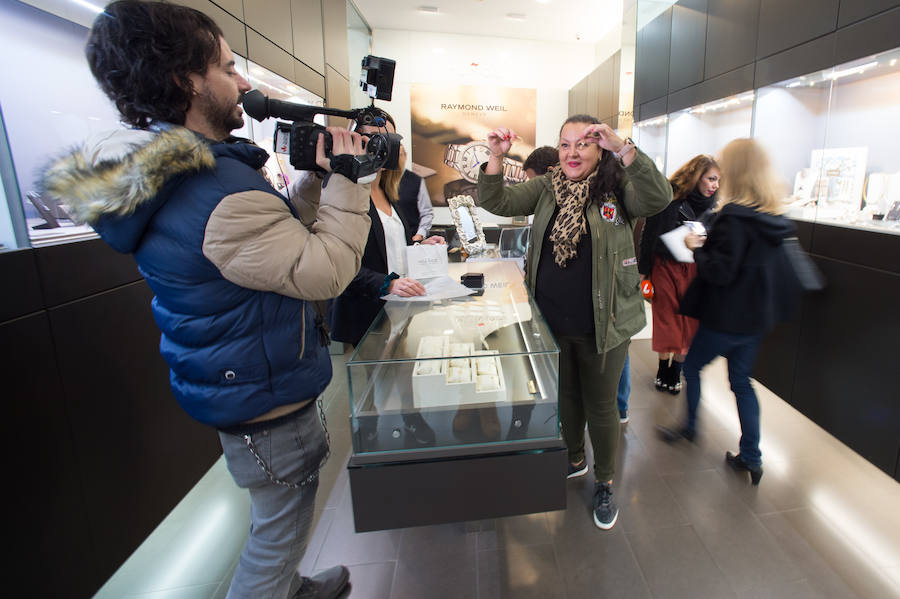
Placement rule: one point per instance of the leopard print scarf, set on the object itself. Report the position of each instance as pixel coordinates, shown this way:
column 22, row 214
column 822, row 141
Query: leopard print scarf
column 571, row 222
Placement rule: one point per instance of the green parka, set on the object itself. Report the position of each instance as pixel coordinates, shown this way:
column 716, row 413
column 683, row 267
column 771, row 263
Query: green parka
column 618, row 305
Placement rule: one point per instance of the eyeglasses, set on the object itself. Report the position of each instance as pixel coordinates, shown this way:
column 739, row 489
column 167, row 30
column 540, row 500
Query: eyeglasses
column 580, row 145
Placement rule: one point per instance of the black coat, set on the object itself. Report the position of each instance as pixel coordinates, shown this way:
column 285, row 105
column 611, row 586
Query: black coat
column 694, row 206
column 745, row 283
column 354, row 310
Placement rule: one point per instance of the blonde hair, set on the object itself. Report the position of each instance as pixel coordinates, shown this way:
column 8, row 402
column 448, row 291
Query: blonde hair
column 389, row 182
column 748, row 178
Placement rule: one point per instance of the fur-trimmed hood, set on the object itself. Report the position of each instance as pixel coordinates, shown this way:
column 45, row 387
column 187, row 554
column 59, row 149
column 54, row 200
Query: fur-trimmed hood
column 115, row 181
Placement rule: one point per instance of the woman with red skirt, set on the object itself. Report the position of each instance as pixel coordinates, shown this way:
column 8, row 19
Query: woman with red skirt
column 694, row 187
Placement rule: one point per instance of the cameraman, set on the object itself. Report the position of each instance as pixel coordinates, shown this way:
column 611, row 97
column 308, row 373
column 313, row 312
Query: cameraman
column 233, row 267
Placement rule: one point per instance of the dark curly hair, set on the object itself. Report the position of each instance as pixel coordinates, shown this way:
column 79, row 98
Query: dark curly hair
column 609, row 175
column 141, row 54
column 541, row 159
column 686, row 178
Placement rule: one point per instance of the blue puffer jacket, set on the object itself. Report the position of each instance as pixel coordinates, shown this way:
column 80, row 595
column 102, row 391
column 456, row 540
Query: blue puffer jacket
column 235, row 353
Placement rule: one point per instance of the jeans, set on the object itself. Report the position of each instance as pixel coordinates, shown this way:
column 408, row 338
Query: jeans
column 587, row 394
column 280, row 516
column 740, row 352
column 624, row 390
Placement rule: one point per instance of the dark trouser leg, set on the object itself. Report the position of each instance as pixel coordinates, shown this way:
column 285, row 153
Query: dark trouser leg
column 741, row 357
column 571, row 411
column 599, row 383
column 704, row 348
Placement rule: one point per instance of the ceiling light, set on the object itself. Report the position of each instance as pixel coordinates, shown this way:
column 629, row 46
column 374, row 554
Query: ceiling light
column 88, row 5
column 853, row 70
column 428, row 10
column 515, row 16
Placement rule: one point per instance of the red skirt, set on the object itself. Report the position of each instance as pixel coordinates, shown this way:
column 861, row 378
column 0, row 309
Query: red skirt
column 672, row 332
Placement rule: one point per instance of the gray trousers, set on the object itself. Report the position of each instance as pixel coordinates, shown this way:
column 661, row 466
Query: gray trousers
column 280, row 516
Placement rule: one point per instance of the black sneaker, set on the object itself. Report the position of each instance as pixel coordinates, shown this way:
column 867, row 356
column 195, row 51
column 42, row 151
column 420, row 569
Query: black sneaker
column 605, row 510
column 328, row 584
column 623, row 416
column 579, row 469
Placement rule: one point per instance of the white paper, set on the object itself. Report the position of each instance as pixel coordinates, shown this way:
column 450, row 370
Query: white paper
column 426, row 261
column 674, row 241
column 437, row 288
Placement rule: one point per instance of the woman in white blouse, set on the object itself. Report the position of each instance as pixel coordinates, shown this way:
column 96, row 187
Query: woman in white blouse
column 383, row 266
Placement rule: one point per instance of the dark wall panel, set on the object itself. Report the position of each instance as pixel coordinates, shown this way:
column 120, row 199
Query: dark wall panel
column 847, row 360
column 73, row 270
column 854, row 10
column 688, row 43
column 784, row 24
column 22, row 284
column 54, row 553
column 652, row 59
column 777, row 359
column 870, row 36
column 806, row 58
column 738, row 80
column 124, row 418
column 731, row 32
column 652, row 109
column 864, row 248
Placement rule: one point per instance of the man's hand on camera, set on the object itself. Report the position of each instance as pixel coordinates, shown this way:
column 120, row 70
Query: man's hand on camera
column 342, row 142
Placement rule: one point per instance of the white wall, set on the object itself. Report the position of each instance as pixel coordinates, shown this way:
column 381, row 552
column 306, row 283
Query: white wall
column 551, row 68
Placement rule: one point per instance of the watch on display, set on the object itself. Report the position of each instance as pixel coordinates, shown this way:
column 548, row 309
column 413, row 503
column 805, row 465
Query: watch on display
column 468, row 158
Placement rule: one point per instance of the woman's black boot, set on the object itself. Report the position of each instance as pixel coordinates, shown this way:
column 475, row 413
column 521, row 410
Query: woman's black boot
column 662, row 376
column 736, row 462
column 674, row 385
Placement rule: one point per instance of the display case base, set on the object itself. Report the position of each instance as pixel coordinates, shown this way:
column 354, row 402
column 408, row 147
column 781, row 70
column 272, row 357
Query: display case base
column 397, row 495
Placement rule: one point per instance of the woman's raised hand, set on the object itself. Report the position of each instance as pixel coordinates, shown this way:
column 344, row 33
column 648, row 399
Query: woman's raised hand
column 500, row 140
column 604, row 136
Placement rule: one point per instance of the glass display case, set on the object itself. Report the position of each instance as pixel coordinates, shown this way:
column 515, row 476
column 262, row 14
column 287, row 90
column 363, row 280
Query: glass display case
column 832, row 136
column 651, row 137
column 473, row 371
column 707, row 128
column 454, row 402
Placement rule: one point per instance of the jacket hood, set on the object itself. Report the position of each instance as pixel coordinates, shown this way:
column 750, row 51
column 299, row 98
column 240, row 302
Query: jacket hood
column 773, row 227
column 113, row 181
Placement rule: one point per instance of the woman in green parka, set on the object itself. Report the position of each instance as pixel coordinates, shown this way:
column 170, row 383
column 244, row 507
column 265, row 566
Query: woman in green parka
column 583, row 273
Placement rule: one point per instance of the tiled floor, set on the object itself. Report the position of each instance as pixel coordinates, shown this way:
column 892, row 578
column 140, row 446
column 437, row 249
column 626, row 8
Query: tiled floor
column 823, row 522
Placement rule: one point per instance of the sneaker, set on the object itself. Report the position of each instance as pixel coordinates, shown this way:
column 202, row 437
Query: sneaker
column 605, row 510
column 328, row 584
column 579, row 469
column 623, row 416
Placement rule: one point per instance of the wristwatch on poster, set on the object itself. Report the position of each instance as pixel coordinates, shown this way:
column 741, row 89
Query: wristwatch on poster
column 468, row 158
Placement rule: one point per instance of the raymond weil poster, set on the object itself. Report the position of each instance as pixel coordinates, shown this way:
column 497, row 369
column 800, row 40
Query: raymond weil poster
column 450, row 124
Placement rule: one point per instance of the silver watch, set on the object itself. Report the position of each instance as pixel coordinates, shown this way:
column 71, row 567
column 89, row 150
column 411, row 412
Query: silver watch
column 468, row 158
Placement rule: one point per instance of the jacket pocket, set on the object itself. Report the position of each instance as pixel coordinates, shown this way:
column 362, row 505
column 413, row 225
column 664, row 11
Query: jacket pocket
column 628, row 300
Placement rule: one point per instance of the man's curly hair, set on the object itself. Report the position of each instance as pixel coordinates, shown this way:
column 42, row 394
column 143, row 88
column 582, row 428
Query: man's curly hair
column 141, row 54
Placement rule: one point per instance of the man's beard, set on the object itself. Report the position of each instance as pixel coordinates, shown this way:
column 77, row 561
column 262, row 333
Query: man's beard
column 221, row 115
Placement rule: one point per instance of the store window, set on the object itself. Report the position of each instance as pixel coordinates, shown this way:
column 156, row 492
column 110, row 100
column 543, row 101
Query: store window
column 650, row 137
column 707, row 128
column 50, row 103
column 832, row 135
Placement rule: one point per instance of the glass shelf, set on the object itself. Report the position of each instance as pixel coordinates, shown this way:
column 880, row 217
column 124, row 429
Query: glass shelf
column 464, row 373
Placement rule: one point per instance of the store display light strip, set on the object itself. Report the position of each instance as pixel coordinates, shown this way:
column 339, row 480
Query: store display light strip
column 89, row 6
column 654, row 122
column 853, row 71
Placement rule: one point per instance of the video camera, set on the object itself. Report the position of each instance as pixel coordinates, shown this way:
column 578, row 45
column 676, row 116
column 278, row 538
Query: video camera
column 301, row 136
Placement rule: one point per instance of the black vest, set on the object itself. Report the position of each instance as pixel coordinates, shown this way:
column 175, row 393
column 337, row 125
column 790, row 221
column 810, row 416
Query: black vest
column 407, row 204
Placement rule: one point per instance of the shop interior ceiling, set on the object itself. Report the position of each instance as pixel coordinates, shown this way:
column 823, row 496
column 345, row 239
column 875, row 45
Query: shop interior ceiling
column 585, row 21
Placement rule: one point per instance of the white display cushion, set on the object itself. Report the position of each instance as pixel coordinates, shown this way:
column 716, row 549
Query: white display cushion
column 456, row 374
column 487, row 382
